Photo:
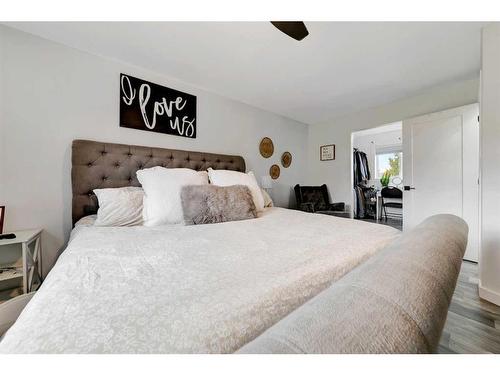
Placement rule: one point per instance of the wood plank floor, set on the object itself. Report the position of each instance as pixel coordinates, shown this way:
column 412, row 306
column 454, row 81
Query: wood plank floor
column 392, row 222
column 473, row 325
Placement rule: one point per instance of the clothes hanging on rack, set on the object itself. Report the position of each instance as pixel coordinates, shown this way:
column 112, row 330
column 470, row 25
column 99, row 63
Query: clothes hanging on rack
column 361, row 168
column 363, row 195
column 359, row 202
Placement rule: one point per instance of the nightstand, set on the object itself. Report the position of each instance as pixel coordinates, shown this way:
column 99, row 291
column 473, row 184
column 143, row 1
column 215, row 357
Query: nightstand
column 21, row 257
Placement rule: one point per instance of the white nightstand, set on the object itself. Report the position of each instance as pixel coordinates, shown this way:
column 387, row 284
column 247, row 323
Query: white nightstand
column 28, row 244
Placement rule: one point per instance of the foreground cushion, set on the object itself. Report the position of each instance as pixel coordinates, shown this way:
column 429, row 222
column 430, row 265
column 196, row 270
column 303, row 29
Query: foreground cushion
column 396, row 302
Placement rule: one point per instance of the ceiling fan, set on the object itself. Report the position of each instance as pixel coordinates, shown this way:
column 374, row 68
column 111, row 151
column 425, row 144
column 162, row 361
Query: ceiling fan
column 295, row 29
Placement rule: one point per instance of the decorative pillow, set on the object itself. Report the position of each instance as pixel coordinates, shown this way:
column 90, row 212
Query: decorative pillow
column 222, row 177
column 162, row 188
column 119, row 206
column 268, row 202
column 215, row 204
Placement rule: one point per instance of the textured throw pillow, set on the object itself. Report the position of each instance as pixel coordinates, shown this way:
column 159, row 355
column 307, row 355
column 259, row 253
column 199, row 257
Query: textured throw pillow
column 215, row 204
column 162, row 189
column 222, row 177
column 119, row 206
column 268, row 202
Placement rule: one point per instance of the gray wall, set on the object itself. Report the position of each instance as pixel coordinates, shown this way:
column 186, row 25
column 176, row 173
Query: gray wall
column 337, row 174
column 489, row 256
column 52, row 94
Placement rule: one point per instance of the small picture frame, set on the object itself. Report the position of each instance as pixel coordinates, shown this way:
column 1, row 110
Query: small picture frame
column 2, row 215
column 327, row 152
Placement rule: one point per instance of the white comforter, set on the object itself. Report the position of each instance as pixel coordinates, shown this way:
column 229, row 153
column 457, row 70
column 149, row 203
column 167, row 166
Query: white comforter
column 187, row 289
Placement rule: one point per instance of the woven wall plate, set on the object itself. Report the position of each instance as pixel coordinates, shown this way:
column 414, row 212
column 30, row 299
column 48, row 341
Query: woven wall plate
column 286, row 159
column 266, row 147
column 274, row 171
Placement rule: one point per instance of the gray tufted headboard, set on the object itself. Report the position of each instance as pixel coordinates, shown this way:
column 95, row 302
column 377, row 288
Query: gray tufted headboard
column 109, row 165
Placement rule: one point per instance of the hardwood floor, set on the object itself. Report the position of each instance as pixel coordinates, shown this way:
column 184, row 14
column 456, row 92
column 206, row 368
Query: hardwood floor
column 392, row 222
column 473, row 325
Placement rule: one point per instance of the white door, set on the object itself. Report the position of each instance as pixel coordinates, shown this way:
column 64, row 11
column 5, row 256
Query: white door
column 441, row 169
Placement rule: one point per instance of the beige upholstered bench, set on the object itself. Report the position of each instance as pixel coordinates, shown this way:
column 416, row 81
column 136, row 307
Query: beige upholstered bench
column 396, row 302
column 11, row 309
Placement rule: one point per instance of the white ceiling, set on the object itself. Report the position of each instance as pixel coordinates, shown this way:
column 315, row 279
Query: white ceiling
column 339, row 68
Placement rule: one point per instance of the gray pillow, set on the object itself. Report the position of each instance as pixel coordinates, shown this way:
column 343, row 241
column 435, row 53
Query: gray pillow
column 206, row 204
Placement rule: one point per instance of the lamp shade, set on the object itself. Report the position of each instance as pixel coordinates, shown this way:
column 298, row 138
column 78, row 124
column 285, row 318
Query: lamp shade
column 266, row 182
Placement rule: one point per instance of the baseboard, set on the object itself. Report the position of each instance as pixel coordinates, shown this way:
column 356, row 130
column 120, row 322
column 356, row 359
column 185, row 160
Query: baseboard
column 489, row 295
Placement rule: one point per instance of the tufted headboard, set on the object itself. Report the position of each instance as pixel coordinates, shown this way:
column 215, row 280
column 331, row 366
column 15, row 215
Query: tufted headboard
column 109, row 165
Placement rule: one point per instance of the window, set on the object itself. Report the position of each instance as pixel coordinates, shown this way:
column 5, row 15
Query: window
column 389, row 159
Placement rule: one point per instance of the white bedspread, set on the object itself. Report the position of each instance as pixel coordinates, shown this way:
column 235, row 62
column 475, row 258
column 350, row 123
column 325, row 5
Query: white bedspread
column 184, row 289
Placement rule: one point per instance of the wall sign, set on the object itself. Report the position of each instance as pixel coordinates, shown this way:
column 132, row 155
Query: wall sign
column 327, row 152
column 148, row 106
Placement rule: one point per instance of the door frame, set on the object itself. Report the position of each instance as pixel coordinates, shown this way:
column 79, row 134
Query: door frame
column 408, row 148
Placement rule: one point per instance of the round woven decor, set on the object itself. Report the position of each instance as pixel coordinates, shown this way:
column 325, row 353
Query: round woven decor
column 286, row 159
column 274, row 171
column 266, row 147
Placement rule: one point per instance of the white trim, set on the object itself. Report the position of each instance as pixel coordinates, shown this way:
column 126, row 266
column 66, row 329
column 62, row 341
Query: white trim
column 389, row 149
column 489, row 295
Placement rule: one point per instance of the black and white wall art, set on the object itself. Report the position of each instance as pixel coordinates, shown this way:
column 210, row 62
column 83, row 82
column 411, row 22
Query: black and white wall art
column 148, row 106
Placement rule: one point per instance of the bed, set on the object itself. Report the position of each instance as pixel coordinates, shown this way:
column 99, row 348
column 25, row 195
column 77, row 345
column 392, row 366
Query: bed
column 180, row 289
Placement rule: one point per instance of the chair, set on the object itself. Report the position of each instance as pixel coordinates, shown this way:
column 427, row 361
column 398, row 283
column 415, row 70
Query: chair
column 391, row 192
column 316, row 199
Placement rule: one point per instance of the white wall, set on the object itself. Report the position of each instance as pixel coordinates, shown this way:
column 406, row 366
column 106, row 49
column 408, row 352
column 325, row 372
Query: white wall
column 368, row 143
column 489, row 258
column 337, row 173
column 53, row 94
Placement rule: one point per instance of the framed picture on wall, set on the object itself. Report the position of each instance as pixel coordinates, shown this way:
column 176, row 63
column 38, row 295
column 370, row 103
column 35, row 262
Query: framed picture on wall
column 327, row 152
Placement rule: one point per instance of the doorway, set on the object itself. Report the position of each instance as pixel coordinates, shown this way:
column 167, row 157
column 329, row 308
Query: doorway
column 432, row 159
column 441, row 174
column 377, row 174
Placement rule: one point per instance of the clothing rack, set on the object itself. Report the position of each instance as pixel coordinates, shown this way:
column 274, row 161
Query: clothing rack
column 362, row 193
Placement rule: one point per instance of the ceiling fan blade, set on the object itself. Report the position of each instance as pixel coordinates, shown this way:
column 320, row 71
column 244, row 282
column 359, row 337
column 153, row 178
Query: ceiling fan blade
column 295, row 29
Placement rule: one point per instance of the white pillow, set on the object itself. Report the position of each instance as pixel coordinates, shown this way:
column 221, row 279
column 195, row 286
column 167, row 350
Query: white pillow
column 162, row 193
column 119, row 206
column 222, row 177
column 268, row 202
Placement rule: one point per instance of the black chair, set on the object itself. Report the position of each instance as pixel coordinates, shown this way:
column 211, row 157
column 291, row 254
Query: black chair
column 316, row 199
column 391, row 192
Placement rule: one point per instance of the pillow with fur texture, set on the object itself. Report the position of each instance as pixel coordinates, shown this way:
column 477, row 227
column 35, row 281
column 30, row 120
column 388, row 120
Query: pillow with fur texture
column 207, row 204
column 221, row 177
